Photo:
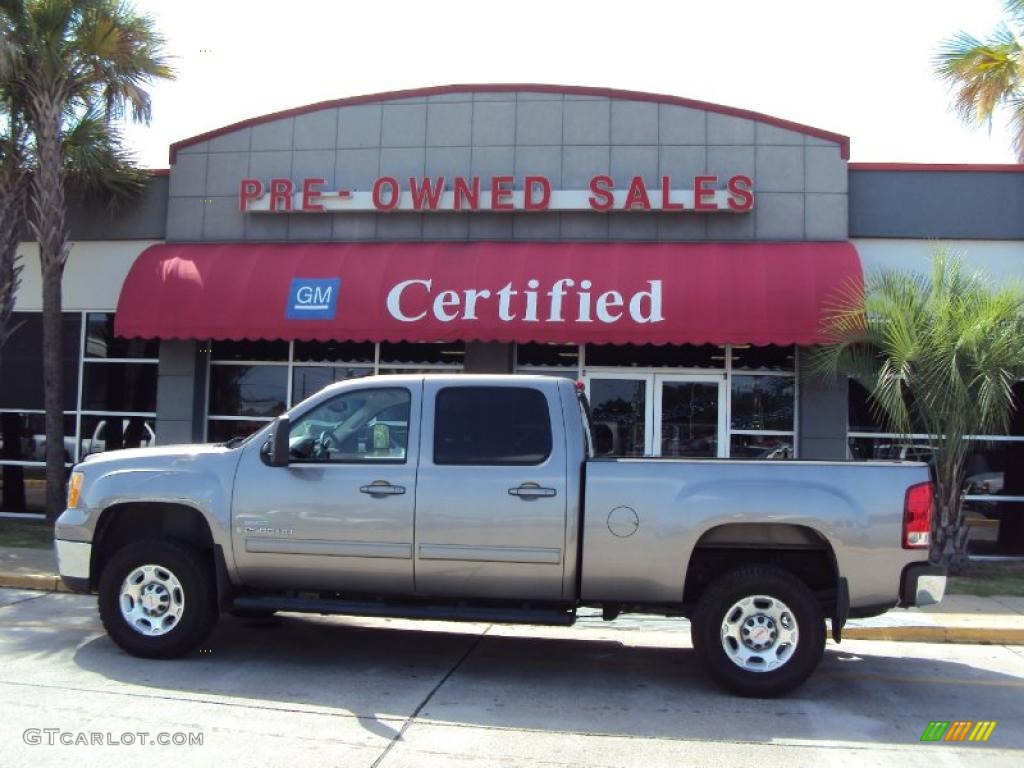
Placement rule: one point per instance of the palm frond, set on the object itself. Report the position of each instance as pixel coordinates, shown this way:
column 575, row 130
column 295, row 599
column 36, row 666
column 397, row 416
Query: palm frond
column 97, row 166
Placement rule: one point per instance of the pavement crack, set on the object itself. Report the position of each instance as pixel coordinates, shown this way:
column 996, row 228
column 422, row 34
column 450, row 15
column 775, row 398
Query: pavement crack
column 409, row 721
column 25, row 600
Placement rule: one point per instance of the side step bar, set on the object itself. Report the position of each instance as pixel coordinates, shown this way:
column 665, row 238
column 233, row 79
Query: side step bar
column 437, row 612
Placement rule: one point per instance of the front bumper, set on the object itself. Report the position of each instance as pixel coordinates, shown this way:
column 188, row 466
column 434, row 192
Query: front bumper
column 922, row 584
column 73, row 562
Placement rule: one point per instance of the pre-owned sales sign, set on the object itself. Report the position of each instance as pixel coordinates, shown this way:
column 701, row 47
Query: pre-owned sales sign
column 705, row 194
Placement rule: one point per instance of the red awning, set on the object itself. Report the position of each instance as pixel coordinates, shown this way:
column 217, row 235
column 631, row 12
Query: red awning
column 618, row 293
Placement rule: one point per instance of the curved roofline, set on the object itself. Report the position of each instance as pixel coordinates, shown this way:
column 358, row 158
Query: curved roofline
column 579, row 90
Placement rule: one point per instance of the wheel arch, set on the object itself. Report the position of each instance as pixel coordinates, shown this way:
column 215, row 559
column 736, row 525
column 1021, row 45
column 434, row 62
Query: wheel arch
column 124, row 522
column 799, row 549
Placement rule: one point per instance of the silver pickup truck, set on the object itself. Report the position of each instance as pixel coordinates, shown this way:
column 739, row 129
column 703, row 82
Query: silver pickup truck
column 485, row 498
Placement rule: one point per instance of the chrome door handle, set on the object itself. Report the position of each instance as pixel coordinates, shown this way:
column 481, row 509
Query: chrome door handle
column 529, row 491
column 382, row 488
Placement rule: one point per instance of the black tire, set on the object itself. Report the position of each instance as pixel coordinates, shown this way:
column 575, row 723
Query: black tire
column 711, row 616
column 198, row 603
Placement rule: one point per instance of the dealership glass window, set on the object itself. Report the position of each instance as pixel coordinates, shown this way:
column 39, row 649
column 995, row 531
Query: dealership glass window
column 994, row 472
column 23, row 488
column 23, row 353
column 109, row 399
column 761, row 396
column 251, row 382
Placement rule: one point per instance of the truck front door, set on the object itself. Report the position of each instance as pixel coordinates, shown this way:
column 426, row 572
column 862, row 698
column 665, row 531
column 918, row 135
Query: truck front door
column 340, row 515
column 491, row 493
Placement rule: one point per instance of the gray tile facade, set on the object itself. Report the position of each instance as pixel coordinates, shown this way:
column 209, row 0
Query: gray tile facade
column 800, row 181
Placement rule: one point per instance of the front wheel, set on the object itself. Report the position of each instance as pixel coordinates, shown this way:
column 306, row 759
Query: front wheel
column 156, row 599
column 759, row 630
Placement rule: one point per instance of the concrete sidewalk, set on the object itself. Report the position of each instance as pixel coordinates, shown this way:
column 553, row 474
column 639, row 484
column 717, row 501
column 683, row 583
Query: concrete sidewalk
column 957, row 619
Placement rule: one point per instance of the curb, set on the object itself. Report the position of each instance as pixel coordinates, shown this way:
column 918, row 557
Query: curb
column 916, row 634
column 962, row 635
column 43, row 581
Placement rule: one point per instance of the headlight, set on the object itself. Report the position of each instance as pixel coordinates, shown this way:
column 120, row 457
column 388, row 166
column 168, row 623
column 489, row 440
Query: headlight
column 74, row 488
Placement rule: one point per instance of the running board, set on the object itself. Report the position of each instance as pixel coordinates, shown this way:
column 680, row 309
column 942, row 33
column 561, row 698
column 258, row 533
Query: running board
column 437, row 612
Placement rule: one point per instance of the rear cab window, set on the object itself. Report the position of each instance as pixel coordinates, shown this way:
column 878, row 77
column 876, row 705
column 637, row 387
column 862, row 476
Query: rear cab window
column 488, row 426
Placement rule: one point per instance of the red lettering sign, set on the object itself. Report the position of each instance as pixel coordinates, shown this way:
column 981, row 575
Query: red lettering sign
column 601, row 198
column 311, row 195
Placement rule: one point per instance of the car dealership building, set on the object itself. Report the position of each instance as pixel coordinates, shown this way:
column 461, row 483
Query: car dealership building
column 674, row 255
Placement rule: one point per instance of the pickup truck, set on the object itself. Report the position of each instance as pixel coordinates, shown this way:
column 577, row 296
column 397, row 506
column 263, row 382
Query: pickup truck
column 485, row 498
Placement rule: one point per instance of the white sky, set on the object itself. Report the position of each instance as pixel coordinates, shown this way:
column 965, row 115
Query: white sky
column 861, row 69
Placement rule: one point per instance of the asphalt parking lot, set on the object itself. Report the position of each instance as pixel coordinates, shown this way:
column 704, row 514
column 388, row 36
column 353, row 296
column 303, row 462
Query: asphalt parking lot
column 312, row 691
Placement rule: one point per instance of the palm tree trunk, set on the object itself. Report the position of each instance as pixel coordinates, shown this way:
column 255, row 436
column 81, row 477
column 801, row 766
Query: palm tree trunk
column 48, row 222
column 949, row 545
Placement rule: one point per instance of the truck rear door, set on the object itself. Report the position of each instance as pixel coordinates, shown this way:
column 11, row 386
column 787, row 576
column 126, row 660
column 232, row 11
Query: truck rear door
column 491, row 491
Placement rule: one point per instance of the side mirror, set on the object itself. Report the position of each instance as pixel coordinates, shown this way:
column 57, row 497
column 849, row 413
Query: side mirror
column 279, row 442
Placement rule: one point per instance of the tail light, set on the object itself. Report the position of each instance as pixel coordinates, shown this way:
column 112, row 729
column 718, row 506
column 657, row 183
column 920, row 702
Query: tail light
column 917, row 516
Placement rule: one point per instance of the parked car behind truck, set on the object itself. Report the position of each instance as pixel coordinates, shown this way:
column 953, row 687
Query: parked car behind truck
column 480, row 498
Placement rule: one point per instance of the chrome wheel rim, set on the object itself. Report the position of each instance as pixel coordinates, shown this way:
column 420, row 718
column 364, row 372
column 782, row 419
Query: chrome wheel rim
column 759, row 633
column 152, row 600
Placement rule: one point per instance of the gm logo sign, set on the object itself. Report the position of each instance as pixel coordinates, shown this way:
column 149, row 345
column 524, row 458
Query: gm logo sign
column 312, row 298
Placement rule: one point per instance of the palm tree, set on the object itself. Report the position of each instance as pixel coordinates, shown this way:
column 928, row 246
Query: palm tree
column 66, row 59
column 987, row 75
column 13, row 190
column 938, row 354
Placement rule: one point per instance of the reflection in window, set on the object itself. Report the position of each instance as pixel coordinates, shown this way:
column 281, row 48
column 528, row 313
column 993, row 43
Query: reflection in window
column 113, row 432
column 365, row 425
column 761, row 447
column 309, row 379
column 618, row 410
column 23, row 353
column 248, row 390
column 100, row 341
column 119, row 387
column 762, row 403
column 222, row 430
column 22, row 489
column 23, row 437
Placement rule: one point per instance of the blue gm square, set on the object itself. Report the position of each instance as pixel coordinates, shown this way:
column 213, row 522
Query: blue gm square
column 312, row 298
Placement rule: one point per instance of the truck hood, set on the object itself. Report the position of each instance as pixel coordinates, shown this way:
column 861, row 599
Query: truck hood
column 163, row 456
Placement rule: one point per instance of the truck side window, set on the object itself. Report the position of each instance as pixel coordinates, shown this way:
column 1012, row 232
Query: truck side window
column 491, row 425
column 370, row 425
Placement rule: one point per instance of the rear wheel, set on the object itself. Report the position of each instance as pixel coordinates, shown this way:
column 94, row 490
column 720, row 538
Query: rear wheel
column 156, row 599
column 759, row 630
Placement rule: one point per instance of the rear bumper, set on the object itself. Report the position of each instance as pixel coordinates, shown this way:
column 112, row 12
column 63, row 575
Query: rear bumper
column 73, row 558
column 922, row 584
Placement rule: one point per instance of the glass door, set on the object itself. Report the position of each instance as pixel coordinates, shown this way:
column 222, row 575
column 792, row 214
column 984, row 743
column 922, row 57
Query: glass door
column 653, row 414
column 689, row 415
column 622, row 410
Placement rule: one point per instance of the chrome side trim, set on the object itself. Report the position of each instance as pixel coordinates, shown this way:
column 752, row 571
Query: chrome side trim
column 329, row 548
column 545, row 555
column 73, row 558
